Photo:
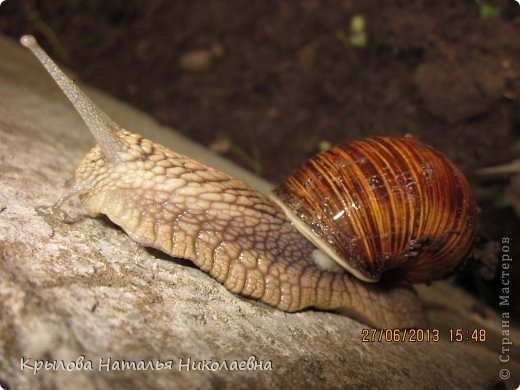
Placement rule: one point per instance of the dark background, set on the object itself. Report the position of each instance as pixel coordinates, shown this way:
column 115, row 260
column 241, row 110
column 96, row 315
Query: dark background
column 273, row 81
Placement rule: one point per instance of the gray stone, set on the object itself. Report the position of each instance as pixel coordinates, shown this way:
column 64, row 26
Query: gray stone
column 76, row 286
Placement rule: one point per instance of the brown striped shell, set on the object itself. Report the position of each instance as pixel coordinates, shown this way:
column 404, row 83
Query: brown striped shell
column 384, row 203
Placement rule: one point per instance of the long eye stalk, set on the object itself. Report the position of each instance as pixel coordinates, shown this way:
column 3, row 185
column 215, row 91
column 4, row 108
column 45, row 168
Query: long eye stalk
column 102, row 127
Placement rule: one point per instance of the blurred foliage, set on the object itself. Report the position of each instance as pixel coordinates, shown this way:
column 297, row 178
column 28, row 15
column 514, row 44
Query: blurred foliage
column 487, row 10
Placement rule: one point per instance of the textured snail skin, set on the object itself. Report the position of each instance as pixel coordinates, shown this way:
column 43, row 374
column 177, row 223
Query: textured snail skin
column 385, row 203
column 169, row 202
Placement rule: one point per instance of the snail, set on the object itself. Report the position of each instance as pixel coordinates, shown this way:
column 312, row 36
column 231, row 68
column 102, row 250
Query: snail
column 349, row 231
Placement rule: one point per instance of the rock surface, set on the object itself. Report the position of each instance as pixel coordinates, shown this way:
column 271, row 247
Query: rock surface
column 73, row 286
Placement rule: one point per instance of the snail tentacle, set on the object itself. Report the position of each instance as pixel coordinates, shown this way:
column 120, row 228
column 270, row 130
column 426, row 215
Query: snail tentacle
column 102, row 127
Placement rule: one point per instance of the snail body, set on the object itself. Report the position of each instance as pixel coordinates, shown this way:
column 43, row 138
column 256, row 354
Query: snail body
column 417, row 217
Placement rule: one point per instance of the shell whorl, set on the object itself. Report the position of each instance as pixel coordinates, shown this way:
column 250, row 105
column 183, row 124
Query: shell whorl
column 384, row 203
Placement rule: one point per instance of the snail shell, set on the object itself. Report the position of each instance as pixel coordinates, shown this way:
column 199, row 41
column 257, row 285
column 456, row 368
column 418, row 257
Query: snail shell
column 383, row 204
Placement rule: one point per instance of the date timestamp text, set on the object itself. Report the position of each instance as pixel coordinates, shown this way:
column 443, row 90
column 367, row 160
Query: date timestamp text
column 455, row 335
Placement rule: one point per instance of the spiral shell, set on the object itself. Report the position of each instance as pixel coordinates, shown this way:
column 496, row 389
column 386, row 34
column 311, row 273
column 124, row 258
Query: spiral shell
column 384, row 203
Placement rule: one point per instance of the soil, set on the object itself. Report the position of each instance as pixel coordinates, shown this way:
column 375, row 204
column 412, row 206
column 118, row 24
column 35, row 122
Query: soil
column 268, row 83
